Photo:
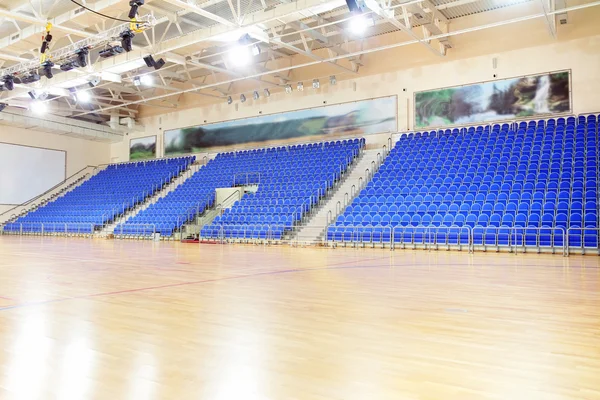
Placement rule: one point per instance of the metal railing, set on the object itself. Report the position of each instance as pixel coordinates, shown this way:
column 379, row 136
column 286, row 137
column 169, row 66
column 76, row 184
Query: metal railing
column 49, row 229
column 134, row 230
column 584, row 239
column 484, row 238
column 264, row 233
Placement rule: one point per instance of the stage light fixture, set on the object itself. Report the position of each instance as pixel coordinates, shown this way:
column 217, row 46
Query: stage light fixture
column 9, row 82
column 81, row 60
column 288, row 88
column 134, row 4
column 300, row 86
column 126, row 40
column 255, row 95
column 47, row 69
column 150, row 62
column 242, row 98
column 316, row 84
column 38, row 107
column 267, row 93
column 229, row 100
column 33, row 77
column 68, row 66
column 3, row 106
column 111, row 51
column 332, row 80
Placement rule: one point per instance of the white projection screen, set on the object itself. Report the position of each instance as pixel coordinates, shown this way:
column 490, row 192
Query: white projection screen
column 26, row 172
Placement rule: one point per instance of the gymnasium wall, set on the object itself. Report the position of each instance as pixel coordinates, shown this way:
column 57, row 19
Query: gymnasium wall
column 508, row 51
column 79, row 152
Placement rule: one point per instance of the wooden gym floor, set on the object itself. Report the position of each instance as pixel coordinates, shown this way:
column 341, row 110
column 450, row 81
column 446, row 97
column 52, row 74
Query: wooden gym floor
column 100, row 319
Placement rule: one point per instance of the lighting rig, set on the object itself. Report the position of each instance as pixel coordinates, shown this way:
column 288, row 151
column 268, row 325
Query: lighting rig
column 76, row 55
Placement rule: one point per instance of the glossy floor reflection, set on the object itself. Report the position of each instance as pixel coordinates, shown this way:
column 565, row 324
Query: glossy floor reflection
column 91, row 319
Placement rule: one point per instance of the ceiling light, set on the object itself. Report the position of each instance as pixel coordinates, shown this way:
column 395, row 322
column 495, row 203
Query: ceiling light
column 47, row 69
column 300, row 86
column 126, row 40
column 3, row 106
column 332, row 80
column 38, row 107
column 288, row 88
column 255, row 50
column 146, row 80
column 242, row 98
column 239, row 56
column 255, row 95
column 358, row 25
column 316, row 84
column 137, row 81
column 94, row 82
column 267, row 93
column 229, row 100
column 84, row 96
column 111, row 51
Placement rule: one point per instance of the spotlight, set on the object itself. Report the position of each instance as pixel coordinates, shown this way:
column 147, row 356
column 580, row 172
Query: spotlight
column 255, row 95
column 300, row 86
column 126, row 40
column 9, row 82
column 134, row 4
column 267, row 93
column 239, row 56
column 38, row 107
column 316, row 84
column 47, row 69
column 84, row 96
column 332, row 80
column 288, row 88
column 3, row 106
column 229, row 100
column 242, row 98
column 68, row 66
column 111, row 51
column 33, row 77
column 359, row 24
column 137, row 81
column 81, row 60
column 94, row 82
column 150, row 62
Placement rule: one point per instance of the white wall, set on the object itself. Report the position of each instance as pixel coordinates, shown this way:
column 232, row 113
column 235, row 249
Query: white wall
column 403, row 72
column 79, row 152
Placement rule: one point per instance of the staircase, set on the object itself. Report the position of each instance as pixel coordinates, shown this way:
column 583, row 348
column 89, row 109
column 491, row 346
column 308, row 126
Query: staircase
column 209, row 215
column 191, row 170
column 327, row 211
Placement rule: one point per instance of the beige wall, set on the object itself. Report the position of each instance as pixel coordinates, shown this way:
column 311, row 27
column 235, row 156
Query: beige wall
column 80, row 153
column 517, row 49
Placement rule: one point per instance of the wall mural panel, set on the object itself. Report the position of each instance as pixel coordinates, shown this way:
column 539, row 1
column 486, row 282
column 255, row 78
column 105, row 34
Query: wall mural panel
column 528, row 96
column 356, row 118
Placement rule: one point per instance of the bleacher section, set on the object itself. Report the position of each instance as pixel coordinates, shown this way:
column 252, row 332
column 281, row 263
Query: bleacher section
column 104, row 196
column 291, row 180
column 497, row 185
